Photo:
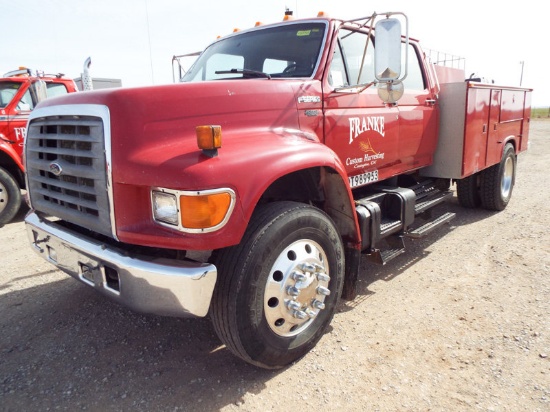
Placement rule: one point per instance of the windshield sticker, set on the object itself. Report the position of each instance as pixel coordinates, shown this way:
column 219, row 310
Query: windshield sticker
column 300, row 33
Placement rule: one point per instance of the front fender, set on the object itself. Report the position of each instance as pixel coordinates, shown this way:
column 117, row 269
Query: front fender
column 247, row 163
column 8, row 150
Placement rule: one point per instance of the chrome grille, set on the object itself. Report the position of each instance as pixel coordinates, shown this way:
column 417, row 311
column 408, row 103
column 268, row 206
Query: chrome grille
column 67, row 170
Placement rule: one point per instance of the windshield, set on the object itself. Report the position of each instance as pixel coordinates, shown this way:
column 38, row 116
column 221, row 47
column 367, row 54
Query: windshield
column 7, row 91
column 288, row 50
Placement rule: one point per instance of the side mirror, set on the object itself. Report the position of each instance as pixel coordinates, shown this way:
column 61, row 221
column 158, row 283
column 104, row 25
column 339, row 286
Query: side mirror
column 387, row 58
column 387, row 64
column 39, row 91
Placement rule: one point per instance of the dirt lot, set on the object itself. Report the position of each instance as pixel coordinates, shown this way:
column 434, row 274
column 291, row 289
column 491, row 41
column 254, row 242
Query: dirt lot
column 460, row 322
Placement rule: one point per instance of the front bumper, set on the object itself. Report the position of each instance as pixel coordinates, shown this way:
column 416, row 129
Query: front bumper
column 159, row 286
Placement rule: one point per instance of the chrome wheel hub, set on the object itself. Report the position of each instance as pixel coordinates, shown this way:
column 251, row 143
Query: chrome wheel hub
column 507, row 178
column 3, row 197
column 296, row 288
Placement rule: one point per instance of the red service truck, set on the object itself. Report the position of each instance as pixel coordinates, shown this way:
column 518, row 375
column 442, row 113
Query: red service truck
column 20, row 92
column 250, row 191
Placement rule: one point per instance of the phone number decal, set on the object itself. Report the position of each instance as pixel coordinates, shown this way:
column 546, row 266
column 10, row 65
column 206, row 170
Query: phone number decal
column 363, row 179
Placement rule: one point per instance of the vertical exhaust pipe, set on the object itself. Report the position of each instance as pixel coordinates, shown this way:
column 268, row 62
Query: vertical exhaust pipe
column 86, row 77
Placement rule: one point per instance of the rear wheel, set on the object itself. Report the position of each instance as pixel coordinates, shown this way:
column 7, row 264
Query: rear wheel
column 10, row 197
column 467, row 191
column 498, row 181
column 278, row 289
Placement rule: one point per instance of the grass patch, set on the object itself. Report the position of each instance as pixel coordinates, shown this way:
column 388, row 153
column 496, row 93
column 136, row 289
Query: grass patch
column 538, row 112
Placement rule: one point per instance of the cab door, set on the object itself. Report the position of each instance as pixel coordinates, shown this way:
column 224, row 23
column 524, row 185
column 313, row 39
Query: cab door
column 358, row 126
column 373, row 139
column 418, row 114
column 19, row 110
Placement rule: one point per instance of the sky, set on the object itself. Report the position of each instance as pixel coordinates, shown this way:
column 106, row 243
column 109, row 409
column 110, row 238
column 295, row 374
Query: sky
column 134, row 40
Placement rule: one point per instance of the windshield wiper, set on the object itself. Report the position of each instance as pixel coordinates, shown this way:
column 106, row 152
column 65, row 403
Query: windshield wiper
column 245, row 72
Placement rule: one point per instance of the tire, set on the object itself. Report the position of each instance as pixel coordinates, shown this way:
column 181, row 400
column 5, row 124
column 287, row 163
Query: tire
column 498, row 181
column 468, row 191
column 278, row 289
column 10, row 197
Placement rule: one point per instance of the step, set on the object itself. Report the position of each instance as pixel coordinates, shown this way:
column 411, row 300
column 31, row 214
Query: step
column 388, row 227
column 425, row 229
column 382, row 257
column 395, row 247
column 431, row 200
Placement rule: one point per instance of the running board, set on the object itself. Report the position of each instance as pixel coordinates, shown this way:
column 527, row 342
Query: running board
column 427, row 228
column 396, row 246
column 431, row 201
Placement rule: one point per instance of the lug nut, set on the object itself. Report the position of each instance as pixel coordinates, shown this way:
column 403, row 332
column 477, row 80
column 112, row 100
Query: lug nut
column 308, row 267
column 299, row 314
column 317, row 304
column 318, row 268
column 323, row 277
column 311, row 313
column 323, row 291
column 293, row 291
column 293, row 305
column 298, row 277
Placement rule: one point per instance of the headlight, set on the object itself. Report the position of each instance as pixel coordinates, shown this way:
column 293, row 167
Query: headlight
column 165, row 207
column 193, row 212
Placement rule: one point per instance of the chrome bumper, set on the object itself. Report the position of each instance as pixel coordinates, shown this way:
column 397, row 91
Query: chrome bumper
column 161, row 286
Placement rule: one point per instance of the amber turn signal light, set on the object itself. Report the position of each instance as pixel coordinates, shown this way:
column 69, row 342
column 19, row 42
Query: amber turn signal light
column 204, row 211
column 209, row 139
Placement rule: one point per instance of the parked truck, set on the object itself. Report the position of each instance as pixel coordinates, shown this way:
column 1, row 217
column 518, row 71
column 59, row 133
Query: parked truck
column 20, row 91
column 251, row 191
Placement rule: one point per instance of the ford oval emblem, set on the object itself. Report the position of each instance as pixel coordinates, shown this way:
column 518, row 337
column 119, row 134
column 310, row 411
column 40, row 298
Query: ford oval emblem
column 56, row 169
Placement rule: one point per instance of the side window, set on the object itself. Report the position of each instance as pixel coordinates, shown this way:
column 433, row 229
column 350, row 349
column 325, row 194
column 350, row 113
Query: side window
column 56, row 89
column 414, row 79
column 337, row 74
column 26, row 102
column 359, row 65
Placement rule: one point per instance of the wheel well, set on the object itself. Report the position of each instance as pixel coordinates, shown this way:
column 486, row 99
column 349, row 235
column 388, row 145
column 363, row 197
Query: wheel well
column 301, row 186
column 322, row 187
column 7, row 163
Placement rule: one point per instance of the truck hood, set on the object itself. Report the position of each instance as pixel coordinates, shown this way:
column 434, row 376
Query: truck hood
column 155, row 126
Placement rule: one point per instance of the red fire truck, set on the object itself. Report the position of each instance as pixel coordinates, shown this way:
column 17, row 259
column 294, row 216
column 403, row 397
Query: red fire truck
column 20, row 92
column 251, row 191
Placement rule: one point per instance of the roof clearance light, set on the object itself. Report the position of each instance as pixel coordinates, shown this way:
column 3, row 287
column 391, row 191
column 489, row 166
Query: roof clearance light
column 258, row 23
column 322, row 14
column 209, row 139
column 288, row 15
column 204, row 211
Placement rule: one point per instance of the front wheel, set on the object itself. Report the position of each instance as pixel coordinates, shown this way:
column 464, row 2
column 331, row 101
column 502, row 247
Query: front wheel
column 10, row 197
column 498, row 181
column 278, row 289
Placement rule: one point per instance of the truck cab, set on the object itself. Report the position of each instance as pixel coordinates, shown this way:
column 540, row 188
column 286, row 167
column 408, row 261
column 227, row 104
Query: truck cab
column 20, row 92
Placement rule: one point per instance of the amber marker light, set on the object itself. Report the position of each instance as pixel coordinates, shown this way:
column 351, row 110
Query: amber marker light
column 205, row 211
column 209, row 139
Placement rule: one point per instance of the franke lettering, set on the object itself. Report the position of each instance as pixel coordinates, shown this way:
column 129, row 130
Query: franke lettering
column 20, row 132
column 359, row 125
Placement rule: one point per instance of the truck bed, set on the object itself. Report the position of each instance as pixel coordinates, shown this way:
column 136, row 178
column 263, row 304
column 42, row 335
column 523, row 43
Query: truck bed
column 477, row 120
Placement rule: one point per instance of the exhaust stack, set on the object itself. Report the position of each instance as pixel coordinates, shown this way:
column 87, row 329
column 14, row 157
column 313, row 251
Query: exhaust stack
column 87, row 83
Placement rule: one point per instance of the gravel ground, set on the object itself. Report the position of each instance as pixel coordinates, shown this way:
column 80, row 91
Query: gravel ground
column 460, row 322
